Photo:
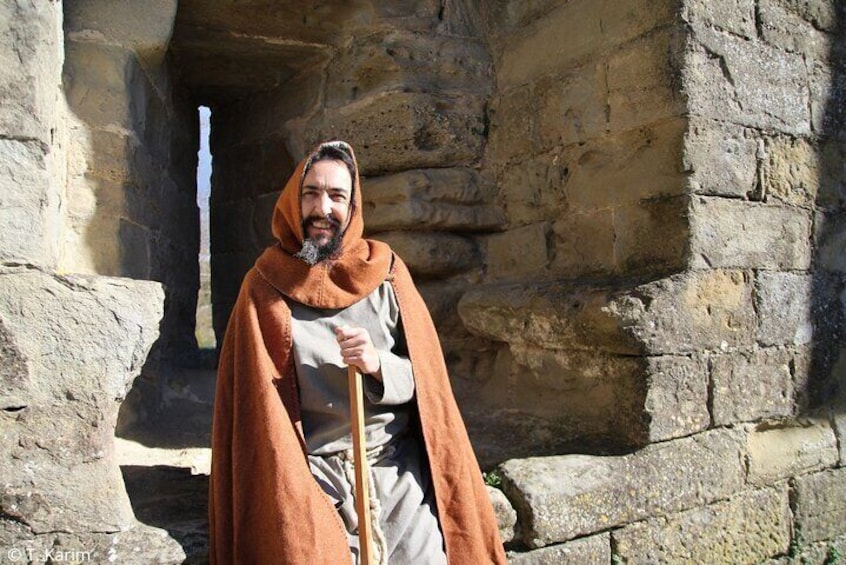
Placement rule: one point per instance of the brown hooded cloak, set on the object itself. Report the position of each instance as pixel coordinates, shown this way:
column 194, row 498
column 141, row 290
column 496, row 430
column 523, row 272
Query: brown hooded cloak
column 264, row 504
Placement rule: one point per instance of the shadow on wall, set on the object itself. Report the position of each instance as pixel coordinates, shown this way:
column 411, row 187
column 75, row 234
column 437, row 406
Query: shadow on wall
column 826, row 384
column 170, row 498
column 131, row 202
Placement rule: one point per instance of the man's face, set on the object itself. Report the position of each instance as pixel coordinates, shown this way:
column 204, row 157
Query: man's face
column 325, row 202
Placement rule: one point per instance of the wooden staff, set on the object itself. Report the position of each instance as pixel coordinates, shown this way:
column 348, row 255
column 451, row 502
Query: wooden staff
column 362, row 490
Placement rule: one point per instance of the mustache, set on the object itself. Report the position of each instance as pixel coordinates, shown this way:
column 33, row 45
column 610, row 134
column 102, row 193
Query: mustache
column 332, row 221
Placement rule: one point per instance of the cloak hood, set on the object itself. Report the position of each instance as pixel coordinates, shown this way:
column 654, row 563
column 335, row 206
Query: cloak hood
column 357, row 269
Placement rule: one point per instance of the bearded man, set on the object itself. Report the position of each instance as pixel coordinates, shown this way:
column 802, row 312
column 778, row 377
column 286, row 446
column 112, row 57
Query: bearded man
column 319, row 300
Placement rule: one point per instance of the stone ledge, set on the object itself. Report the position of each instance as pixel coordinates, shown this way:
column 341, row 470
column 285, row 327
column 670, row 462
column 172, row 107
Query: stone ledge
column 563, row 497
column 554, row 316
column 746, row 529
column 593, row 550
column 780, row 451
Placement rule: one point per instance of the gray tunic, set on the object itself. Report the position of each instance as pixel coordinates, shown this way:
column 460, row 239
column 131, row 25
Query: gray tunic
column 402, row 500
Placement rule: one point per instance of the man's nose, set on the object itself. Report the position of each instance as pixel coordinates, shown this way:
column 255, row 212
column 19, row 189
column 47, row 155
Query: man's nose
column 325, row 203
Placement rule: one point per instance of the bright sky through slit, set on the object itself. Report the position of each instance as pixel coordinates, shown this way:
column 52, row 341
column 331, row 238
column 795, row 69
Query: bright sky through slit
column 204, row 161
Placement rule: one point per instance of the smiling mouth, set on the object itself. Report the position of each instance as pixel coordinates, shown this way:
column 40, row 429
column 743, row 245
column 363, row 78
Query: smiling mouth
column 322, row 227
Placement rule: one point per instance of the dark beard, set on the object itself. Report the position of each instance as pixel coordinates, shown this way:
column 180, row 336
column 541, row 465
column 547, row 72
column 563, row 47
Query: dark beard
column 313, row 252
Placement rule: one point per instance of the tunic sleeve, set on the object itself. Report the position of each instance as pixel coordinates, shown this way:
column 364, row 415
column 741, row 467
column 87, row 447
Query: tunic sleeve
column 397, row 386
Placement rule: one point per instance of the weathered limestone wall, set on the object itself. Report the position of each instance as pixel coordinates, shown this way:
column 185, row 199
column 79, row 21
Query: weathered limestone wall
column 131, row 194
column 741, row 350
column 70, row 345
column 585, row 146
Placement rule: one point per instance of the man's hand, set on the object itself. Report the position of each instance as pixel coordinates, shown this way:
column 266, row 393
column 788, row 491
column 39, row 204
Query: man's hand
column 357, row 349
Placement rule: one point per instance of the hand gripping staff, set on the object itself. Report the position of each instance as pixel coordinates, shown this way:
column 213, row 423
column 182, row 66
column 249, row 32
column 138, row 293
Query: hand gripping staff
column 362, row 474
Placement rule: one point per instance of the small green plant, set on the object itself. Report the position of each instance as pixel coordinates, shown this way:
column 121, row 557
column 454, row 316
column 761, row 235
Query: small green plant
column 492, row 479
column 834, row 557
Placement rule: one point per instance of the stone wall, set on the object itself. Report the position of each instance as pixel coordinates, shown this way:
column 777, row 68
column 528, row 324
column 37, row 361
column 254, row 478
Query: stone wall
column 70, row 344
column 131, row 191
column 585, row 148
column 740, row 338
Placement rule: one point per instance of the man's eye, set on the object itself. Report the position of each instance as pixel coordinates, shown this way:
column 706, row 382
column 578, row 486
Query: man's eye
column 339, row 197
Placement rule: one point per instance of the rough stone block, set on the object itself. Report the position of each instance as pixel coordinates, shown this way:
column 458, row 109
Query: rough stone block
column 263, row 209
column 583, row 242
column 839, row 425
column 784, row 302
column 508, row 15
column 136, row 243
column 513, row 124
column 534, row 189
column 506, row 516
column 400, row 131
column 676, row 397
column 138, row 543
column 534, row 400
column 518, row 252
column 643, row 82
column 784, row 25
column 793, row 171
column 29, row 204
column 737, row 234
column 79, row 342
column 697, row 311
column 99, row 81
column 721, row 158
column 559, row 498
column 630, row 167
column 231, row 224
column 780, row 451
column 441, row 299
column 746, row 529
column 831, row 154
column 747, row 83
column 820, row 504
column 31, row 54
column 145, row 28
column 397, row 60
column 736, row 16
column 434, row 254
column 573, row 32
column 552, row 317
column 265, row 162
column 592, row 550
column 602, row 394
column 267, row 114
column 652, row 236
column 820, row 553
column 751, row 386
column 571, row 107
column 452, row 199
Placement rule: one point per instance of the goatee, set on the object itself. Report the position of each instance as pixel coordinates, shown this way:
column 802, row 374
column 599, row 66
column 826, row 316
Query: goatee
column 313, row 252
